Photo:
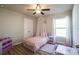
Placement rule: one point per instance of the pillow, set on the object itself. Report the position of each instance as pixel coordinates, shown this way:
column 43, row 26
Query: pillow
column 49, row 48
column 66, row 50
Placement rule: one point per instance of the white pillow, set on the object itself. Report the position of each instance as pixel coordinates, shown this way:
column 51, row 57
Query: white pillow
column 66, row 50
column 49, row 48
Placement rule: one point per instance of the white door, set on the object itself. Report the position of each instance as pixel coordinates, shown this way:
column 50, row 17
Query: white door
column 28, row 27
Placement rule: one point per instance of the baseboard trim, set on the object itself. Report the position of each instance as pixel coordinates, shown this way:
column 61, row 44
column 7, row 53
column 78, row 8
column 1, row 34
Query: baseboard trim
column 17, row 43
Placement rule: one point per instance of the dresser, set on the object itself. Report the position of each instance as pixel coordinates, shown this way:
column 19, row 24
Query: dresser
column 5, row 45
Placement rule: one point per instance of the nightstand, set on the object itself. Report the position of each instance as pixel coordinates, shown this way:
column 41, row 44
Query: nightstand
column 51, row 40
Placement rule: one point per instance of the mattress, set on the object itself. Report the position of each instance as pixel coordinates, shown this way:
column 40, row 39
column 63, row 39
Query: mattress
column 34, row 43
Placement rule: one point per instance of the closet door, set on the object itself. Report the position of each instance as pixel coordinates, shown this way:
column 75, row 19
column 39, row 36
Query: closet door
column 28, row 27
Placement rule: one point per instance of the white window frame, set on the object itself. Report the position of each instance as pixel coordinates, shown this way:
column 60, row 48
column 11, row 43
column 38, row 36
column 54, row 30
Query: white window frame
column 68, row 33
column 61, row 28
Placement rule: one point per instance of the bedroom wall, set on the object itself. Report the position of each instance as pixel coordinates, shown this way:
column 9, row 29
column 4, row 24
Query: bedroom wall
column 12, row 25
column 75, row 17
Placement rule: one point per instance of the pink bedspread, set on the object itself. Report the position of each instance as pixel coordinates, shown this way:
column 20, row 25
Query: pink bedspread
column 36, row 42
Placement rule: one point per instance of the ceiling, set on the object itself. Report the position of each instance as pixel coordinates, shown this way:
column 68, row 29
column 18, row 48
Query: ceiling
column 54, row 8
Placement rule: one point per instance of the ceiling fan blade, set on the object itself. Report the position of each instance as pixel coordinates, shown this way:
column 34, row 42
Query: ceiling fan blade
column 42, row 13
column 45, row 9
column 30, row 9
column 34, row 13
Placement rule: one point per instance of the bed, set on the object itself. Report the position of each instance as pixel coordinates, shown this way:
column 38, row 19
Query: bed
column 34, row 43
column 65, row 50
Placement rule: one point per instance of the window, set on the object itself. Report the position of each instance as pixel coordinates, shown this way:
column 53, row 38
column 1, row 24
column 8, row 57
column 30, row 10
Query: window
column 61, row 27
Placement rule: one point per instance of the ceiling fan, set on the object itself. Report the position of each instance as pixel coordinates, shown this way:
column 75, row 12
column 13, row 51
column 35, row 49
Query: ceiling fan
column 38, row 10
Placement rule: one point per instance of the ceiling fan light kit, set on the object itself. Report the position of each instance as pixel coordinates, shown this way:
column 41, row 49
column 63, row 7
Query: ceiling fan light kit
column 38, row 10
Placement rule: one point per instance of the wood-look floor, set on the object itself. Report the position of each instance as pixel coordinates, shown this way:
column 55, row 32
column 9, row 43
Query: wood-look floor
column 19, row 50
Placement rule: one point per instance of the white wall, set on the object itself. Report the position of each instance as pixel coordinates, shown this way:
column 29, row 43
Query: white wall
column 12, row 25
column 76, row 24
